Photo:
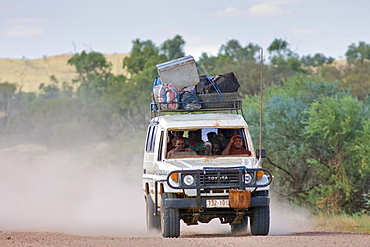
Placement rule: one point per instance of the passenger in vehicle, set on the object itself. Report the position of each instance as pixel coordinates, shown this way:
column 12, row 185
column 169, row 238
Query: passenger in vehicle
column 227, row 134
column 170, row 141
column 208, row 148
column 211, row 135
column 179, row 147
column 235, row 146
column 216, row 148
column 195, row 141
column 180, row 134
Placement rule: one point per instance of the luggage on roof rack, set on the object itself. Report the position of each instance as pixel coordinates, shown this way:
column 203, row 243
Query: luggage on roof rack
column 180, row 72
column 195, row 93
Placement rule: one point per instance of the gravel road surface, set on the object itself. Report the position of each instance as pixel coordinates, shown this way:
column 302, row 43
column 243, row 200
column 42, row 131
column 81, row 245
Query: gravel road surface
column 296, row 239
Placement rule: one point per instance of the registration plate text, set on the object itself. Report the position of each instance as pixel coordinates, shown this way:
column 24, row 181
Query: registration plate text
column 218, row 203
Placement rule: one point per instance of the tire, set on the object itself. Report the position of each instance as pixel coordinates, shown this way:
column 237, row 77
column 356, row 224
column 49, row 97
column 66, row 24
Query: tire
column 260, row 218
column 170, row 219
column 153, row 222
column 241, row 227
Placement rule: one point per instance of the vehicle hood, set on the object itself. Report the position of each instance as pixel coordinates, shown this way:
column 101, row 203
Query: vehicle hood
column 190, row 164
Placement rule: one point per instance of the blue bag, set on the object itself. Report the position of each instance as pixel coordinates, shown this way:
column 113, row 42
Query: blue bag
column 190, row 99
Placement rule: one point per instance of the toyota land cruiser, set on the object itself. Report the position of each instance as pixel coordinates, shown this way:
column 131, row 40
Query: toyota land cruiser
column 202, row 185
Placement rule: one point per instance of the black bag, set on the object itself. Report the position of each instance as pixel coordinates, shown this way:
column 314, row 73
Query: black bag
column 226, row 83
column 203, row 81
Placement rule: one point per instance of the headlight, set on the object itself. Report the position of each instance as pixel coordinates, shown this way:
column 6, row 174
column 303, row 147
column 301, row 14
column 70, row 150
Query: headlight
column 188, row 179
column 247, row 178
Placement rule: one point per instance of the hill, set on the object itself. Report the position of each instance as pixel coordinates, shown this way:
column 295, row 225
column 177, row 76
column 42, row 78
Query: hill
column 28, row 74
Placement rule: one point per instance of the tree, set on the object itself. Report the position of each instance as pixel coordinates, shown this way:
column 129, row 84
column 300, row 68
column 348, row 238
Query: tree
column 285, row 123
column 236, row 53
column 354, row 77
column 173, row 48
column 316, row 60
column 90, row 65
column 284, row 61
column 208, row 63
column 7, row 93
column 18, row 120
column 94, row 73
column 332, row 127
column 358, row 53
column 279, row 50
column 316, row 138
column 357, row 78
column 144, row 56
column 52, row 90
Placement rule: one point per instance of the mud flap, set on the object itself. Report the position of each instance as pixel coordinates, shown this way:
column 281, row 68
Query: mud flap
column 239, row 199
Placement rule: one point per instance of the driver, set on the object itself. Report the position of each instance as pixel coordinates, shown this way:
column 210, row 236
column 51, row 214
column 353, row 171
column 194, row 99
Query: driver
column 179, row 147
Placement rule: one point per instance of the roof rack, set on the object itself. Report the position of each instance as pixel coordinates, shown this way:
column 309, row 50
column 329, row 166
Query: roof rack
column 204, row 106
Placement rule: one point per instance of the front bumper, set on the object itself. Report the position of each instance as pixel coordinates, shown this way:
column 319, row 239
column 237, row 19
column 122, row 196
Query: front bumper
column 215, row 178
column 197, row 203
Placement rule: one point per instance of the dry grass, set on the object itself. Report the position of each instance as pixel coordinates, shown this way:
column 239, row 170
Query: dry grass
column 30, row 73
column 343, row 223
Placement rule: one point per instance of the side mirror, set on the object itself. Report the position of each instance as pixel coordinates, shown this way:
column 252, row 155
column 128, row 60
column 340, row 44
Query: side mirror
column 261, row 153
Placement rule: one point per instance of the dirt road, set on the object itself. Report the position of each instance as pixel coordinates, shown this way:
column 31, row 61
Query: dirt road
column 296, row 239
column 74, row 199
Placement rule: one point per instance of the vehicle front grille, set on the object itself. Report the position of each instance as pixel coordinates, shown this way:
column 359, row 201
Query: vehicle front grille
column 221, row 178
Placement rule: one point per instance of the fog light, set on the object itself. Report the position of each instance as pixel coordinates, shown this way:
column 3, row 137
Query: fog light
column 247, row 178
column 188, row 180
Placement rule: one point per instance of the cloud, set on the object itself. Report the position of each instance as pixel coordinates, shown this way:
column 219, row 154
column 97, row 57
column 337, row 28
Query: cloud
column 24, row 27
column 267, row 10
column 229, row 12
column 264, row 10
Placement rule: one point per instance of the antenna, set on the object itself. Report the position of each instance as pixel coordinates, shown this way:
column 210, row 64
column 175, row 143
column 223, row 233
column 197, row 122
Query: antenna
column 261, row 96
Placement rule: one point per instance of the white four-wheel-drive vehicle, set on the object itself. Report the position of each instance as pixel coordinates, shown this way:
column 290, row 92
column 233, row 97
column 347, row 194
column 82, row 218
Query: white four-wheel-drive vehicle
column 199, row 160
column 198, row 186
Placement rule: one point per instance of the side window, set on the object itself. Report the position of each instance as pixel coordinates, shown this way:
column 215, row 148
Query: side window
column 150, row 141
column 147, row 145
column 160, row 146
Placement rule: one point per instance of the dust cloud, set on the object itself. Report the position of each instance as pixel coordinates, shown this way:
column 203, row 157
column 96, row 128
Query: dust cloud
column 91, row 192
column 286, row 218
column 70, row 192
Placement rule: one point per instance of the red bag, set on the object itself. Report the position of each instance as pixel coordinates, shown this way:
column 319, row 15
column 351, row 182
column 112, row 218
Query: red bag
column 167, row 95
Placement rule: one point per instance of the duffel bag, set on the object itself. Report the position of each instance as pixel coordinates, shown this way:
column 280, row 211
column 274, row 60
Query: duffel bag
column 190, row 99
column 226, row 83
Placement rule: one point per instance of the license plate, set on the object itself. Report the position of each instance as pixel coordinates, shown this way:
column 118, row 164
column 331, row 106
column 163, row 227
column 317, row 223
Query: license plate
column 218, row 203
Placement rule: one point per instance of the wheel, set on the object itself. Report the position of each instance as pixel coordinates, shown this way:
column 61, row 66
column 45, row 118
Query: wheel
column 241, row 227
column 153, row 222
column 170, row 219
column 260, row 218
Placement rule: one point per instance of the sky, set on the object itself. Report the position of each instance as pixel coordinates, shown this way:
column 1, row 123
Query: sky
column 32, row 29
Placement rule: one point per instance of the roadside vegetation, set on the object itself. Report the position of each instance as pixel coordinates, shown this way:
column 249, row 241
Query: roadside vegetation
column 316, row 116
column 343, row 223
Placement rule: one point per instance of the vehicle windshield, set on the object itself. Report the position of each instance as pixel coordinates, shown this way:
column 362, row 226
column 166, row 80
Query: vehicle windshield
column 206, row 142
